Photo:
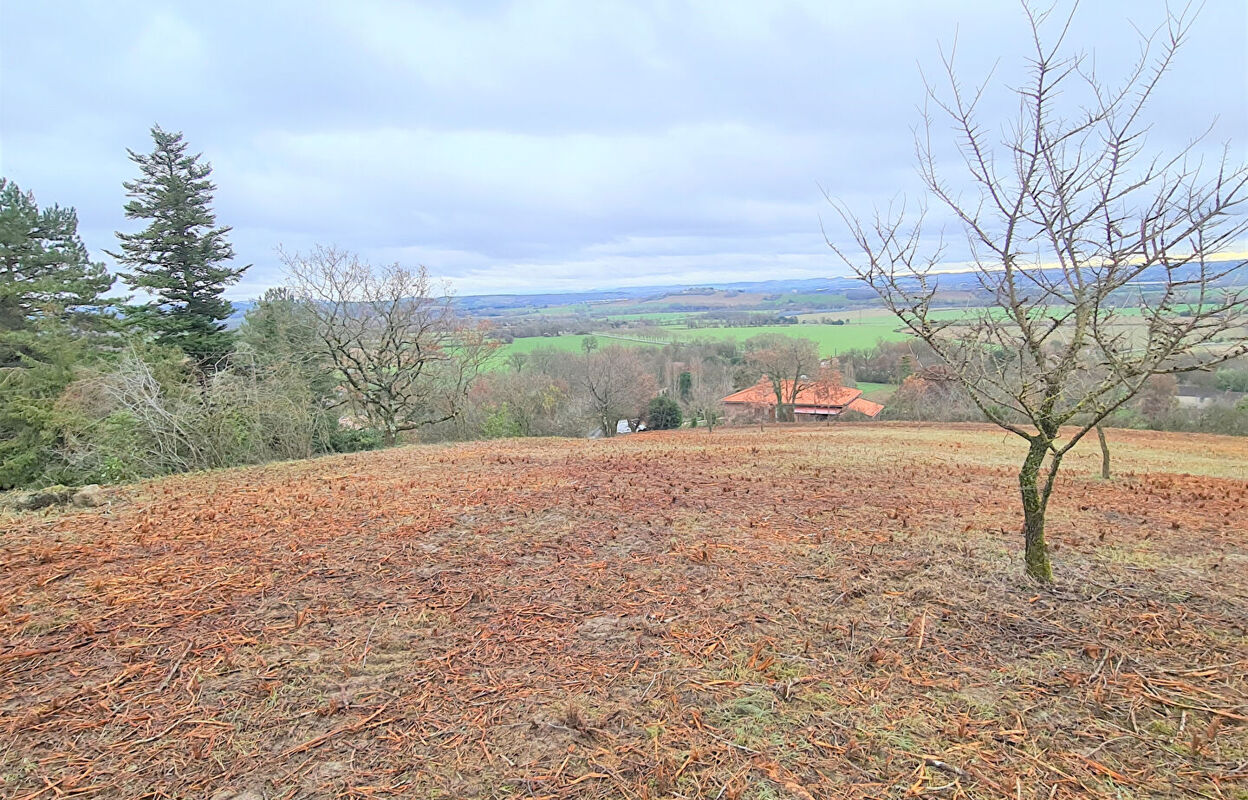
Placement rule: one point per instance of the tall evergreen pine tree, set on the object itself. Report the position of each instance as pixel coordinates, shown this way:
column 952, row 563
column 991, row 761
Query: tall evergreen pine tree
column 181, row 257
column 45, row 273
column 52, row 313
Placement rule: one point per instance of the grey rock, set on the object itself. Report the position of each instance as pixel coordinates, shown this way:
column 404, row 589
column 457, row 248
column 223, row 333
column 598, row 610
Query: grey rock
column 90, row 496
column 52, row 496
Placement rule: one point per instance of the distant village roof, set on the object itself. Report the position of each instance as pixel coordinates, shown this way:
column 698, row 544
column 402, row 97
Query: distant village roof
column 813, row 397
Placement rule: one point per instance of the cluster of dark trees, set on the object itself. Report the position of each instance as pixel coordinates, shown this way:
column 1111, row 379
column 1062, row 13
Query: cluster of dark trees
column 508, row 329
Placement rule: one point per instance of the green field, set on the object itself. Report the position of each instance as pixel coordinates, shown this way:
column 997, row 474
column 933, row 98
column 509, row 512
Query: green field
column 571, row 343
column 876, row 391
column 832, row 339
column 861, row 331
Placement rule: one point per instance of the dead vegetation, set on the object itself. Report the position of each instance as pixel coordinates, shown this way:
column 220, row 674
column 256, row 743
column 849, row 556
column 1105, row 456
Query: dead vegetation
column 798, row 613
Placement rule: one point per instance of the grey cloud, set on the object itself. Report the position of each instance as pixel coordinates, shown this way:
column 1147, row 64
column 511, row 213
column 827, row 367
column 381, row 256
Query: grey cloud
column 535, row 145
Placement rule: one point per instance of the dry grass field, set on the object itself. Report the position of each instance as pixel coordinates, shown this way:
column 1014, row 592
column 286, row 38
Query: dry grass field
column 795, row 613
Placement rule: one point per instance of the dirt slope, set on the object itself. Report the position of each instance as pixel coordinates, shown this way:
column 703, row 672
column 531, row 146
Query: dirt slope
column 833, row 612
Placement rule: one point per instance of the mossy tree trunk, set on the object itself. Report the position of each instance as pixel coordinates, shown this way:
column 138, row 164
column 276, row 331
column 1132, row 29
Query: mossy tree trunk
column 1036, row 495
column 389, row 429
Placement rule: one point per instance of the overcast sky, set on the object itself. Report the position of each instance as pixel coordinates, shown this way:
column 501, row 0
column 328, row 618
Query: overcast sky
column 530, row 146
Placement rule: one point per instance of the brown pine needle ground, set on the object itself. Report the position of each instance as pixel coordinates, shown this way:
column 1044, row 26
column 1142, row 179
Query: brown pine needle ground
column 799, row 613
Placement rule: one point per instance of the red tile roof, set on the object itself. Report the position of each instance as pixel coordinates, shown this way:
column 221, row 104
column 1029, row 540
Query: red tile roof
column 823, row 395
column 864, row 406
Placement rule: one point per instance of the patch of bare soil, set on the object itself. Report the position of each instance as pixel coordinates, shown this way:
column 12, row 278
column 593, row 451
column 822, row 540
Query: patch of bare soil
column 800, row 613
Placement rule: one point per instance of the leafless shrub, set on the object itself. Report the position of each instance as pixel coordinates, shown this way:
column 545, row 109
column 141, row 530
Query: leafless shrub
column 132, row 425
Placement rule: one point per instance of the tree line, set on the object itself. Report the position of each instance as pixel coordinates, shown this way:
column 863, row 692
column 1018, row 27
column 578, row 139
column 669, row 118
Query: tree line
column 100, row 387
column 69, row 349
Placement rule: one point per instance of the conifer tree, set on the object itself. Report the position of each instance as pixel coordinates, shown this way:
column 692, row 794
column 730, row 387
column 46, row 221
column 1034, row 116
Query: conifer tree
column 45, row 273
column 181, row 257
column 52, row 311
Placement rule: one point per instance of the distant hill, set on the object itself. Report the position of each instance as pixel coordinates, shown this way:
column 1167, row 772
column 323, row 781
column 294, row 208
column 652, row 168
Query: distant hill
column 241, row 307
column 843, row 292
column 957, row 286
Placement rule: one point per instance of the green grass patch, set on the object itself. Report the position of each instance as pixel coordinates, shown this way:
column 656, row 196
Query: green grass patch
column 872, row 390
column 569, row 343
column 832, row 339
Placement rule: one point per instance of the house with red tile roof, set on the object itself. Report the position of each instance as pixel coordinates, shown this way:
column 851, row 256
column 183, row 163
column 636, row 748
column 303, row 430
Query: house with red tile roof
column 815, row 401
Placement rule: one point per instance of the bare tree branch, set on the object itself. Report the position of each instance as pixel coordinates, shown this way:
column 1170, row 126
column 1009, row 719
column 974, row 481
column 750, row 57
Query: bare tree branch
column 405, row 360
column 1101, row 260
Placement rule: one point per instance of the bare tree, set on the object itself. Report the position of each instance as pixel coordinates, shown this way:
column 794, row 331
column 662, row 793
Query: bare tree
column 529, row 403
column 405, row 359
column 1069, row 219
column 1159, row 398
column 711, row 382
column 618, row 386
column 790, row 363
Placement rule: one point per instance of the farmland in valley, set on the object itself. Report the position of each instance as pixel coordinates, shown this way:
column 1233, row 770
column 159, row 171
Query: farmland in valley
column 800, row 612
column 832, row 339
column 859, row 329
